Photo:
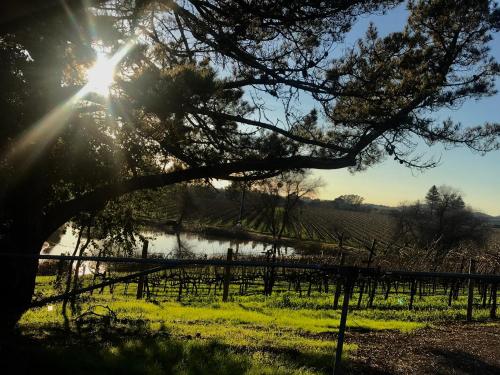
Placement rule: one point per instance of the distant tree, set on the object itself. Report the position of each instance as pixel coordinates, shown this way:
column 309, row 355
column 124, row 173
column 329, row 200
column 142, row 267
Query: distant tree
column 348, row 202
column 237, row 191
column 233, row 190
column 280, row 197
column 185, row 204
column 442, row 223
column 432, row 198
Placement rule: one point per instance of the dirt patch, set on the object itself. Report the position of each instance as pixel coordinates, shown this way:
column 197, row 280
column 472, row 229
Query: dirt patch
column 456, row 348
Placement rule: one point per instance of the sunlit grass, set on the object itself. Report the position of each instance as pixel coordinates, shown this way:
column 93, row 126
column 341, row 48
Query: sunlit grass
column 254, row 334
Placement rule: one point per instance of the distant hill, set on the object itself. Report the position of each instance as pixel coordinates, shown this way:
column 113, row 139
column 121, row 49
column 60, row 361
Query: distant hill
column 380, row 207
column 493, row 220
column 364, row 207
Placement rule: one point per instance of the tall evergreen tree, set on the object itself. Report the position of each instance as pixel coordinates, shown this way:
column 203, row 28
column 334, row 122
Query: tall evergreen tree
column 433, row 198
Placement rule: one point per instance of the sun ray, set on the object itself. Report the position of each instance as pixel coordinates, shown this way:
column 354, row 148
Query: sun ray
column 29, row 146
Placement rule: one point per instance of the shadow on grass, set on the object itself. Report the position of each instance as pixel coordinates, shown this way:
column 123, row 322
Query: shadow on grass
column 356, row 367
column 452, row 362
column 117, row 350
column 130, row 347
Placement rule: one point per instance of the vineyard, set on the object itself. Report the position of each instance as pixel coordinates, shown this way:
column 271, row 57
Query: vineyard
column 273, row 312
column 323, row 225
column 308, row 223
column 281, row 317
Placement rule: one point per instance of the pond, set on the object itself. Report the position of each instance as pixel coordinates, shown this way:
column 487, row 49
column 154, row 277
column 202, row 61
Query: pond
column 171, row 245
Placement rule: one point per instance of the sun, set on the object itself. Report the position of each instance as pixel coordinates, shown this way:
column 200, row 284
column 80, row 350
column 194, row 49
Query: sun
column 101, row 75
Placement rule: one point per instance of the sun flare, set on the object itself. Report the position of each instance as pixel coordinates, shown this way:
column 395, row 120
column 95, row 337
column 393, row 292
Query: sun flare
column 101, row 75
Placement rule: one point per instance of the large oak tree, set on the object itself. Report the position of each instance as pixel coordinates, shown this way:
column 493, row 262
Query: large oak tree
column 192, row 98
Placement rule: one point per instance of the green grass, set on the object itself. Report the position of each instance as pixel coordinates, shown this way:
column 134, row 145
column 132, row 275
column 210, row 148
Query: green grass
column 268, row 337
column 281, row 334
column 139, row 351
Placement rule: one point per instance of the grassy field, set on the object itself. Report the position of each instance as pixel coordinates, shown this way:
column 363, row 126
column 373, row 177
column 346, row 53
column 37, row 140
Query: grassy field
column 280, row 334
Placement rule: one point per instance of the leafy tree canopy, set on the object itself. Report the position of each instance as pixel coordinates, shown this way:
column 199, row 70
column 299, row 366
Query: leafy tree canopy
column 192, row 90
column 190, row 94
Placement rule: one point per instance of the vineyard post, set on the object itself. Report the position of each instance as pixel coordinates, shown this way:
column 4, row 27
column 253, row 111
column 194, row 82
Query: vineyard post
column 338, row 285
column 349, row 280
column 181, row 279
column 266, row 274
column 413, row 291
column 97, row 273
column 325, row 281
column 372, row 293
column 140, row 282
column 309, row 288
column 470, row 297
column 272, row 275
column 372, row 253
column 387, row 291
column 484, row 294
column 60, row 272
column 361, row 289
column 452, row 290
column 227, row 275
column 368, row 264
column 493, row 311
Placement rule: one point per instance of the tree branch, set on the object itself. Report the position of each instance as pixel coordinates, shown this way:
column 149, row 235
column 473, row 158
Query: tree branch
column 271, row 127
column 96, row 199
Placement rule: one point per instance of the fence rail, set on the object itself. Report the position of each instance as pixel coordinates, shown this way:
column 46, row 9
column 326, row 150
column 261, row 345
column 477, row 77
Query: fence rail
column 331, row 269
column 344, row 280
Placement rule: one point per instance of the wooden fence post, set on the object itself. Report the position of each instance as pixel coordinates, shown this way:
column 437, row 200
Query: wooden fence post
column 60, row 272
column 368, row 264
column 388, row 290
column 361, row 290
column 227, row 275
column 413, row 291
column 338, row 286
column 372, row 294
column 372, row 253
column 348, row 284
column 140, row 282
column 452, row 290
column 493, row 310
column 325, row 281
column 470, row 296
column 484, row 293
column 267, row 274
column 181, row 280
column 272, row 274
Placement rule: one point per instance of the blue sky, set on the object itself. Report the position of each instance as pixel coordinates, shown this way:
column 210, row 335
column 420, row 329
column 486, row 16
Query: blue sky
column 477, row 177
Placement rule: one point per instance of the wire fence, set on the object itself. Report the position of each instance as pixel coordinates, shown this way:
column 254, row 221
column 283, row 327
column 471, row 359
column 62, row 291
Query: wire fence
column 178, row 277
column 154, row 278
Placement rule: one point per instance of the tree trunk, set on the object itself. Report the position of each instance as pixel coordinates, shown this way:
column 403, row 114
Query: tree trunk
column 17, row 284
column 17, row 277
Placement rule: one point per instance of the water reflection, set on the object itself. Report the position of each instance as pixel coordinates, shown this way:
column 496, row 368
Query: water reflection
column 181, row 245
